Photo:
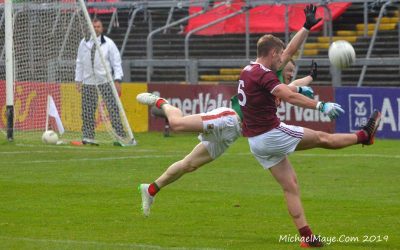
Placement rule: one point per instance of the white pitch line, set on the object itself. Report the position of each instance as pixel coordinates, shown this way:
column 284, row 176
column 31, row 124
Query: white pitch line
column 60, row 148
column 99, row 158
column 177, row 155
column 90, row 151
column 96, row 243
column 80, row 151
column 24, row 152
column 86, row 148
column 335, row 155
column 351, row 155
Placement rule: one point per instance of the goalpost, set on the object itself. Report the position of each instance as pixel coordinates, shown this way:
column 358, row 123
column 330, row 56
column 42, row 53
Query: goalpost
column 41, row 43
column 9, row 70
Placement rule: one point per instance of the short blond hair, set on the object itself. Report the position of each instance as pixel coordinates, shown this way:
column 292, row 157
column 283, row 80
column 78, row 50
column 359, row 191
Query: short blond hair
column 267, row 43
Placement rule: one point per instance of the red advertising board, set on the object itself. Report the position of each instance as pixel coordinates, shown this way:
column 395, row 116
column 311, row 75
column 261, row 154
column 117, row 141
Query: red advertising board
column 193, row 99
column 30, row 103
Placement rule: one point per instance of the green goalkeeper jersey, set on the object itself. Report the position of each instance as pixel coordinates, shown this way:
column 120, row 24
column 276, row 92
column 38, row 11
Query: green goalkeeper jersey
column 279, row 74
column 235, row 101
column 236, row 106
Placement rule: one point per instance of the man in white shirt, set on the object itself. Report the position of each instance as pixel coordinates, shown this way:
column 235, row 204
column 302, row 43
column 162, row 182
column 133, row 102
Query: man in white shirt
column 92, row 74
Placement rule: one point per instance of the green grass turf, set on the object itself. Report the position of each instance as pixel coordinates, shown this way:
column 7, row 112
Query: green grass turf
column 63, row 197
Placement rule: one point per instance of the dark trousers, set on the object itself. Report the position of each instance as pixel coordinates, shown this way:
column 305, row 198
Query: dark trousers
column 89, row 106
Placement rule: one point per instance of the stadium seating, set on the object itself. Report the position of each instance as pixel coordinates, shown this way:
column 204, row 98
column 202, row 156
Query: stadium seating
column 171, row 45
column 345, row 29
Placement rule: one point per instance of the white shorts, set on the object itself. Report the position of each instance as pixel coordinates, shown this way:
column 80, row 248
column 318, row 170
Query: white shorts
column 221, row 128
column 273, row 146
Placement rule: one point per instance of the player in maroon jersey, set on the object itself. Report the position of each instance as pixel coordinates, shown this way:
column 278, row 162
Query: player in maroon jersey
column 271, row 140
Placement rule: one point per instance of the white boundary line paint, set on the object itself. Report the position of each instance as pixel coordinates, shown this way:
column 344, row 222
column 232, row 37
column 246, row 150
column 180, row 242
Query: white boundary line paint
column 81, row 151
column 100, row 158
column 351, row 155
column 177, row 155
column 86, row 148
column 96, row 243
column 54, row 148
column 24, row 152
column 337, row 155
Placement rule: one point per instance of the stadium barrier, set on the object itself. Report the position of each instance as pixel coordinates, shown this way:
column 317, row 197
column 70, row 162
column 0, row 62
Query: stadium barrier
column 136, row 113
column 359, row 104
column 31, row 100
column 193, row 99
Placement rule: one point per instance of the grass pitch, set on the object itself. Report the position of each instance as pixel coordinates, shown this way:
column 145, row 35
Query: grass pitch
column 63, row 197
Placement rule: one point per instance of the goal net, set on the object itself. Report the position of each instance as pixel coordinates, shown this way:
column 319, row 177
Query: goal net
column 46, row 37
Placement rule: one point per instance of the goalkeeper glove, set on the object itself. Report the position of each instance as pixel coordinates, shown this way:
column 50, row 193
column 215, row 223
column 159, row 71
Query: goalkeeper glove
column 313, row 72
column 306, row 91
column 330, row 109
column 309, row 12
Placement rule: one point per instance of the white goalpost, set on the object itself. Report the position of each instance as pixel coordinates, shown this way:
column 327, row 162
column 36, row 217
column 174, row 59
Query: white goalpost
column 8, row 46
column 41, row 44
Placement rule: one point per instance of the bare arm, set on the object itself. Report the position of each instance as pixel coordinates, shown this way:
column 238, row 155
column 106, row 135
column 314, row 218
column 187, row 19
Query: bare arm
column 305, row 81
column 294, row 46
column 301, row 35
column 293, row 88
column 287, row 94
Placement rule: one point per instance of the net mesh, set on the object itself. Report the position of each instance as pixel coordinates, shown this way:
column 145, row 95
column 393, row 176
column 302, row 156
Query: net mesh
column 46, row 38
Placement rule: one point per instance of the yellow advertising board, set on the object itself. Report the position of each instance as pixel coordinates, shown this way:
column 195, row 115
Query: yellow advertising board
column 136, row 113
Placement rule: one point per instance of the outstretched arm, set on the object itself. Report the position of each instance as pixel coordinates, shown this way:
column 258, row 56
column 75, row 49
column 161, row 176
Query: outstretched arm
column 304, row 90
column 294, row 46
column 285, row 93
column 305, row 81
column 301, row 35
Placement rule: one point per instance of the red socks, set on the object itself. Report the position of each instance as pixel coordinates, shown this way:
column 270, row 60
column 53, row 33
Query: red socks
column 153, row 189
column 305, row 232
column 362, row 136
column 160, row 102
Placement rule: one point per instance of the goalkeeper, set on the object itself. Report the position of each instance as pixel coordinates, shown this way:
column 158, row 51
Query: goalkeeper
column 91, row 72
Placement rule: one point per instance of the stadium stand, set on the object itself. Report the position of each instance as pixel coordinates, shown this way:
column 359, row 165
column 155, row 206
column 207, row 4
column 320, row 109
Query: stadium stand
column 170, row 45
column 348, row 27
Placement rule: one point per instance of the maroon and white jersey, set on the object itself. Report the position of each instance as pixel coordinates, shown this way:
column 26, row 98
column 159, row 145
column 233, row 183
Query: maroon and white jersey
column 256, row 101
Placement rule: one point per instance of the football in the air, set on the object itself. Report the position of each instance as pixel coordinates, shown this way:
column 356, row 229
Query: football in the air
column 341, row 54
column 50, row 137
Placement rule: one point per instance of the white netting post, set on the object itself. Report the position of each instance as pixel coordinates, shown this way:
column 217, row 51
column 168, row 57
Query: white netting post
column 46, row 36
column 109, row 77
column 9, row 64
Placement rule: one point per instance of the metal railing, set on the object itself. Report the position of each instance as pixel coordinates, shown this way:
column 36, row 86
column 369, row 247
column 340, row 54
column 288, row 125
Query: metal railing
column 191, row 64
column 113, row 20
column 194, row 65
column 128, row 30
column 149, row 47
column 372, row 43
column 382, row 61
column 189, row 34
